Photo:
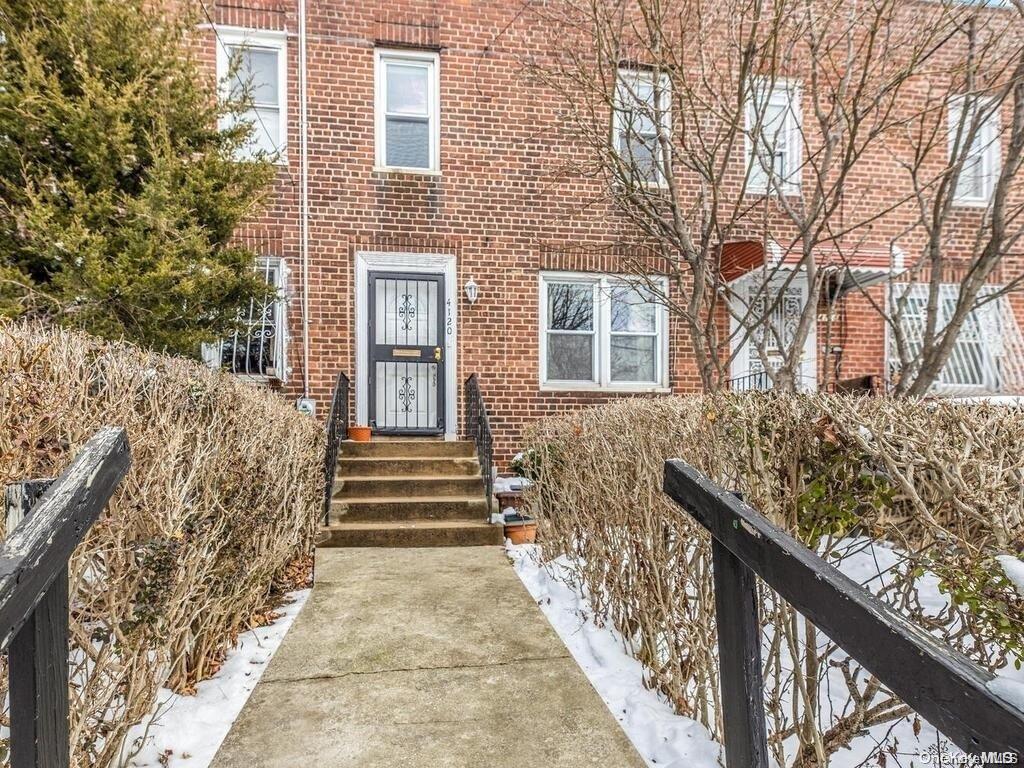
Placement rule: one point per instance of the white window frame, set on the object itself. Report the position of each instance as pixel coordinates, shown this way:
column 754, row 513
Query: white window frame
column 601, row 382
column 213, row 353
column 257, row 39
column 664, row 109
column 432, row 62
column 990, row 341
column 788, row 94
column 991, row 149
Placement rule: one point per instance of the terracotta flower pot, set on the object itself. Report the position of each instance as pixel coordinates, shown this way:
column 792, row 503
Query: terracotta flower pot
column 521, row 533
column 359, row 434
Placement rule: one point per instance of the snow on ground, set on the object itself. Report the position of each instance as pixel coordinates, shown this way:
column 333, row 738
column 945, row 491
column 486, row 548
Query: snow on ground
column 1014, row 569
column 667, row 740
column 186, row 731
column 663, row 738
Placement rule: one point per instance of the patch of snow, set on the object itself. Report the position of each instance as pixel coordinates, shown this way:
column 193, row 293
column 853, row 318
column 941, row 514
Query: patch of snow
column 1013, row 567
column 187, row 731
column 663, row 738
column 505, row 484
column 1011, row 691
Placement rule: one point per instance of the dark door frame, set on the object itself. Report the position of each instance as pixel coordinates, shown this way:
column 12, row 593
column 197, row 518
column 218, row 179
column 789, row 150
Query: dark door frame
column 429, row 354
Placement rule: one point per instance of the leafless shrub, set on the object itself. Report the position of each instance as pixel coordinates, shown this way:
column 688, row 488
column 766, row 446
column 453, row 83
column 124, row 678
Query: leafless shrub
column 943, row 481
column 222, row 496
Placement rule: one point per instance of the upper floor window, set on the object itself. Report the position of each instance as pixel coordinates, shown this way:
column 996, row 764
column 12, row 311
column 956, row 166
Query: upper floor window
column 601, row 332
column 252, row 66
column 774, row 141
column 257, row 348
column 639, row 108
column 408, row 121
column 974, row 138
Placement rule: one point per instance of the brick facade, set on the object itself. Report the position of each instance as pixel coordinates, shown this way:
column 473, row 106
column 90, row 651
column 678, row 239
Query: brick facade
column 494, row 206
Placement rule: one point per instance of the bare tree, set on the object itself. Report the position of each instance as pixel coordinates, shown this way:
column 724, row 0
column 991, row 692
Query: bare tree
column 705, row 124
column 967, row 151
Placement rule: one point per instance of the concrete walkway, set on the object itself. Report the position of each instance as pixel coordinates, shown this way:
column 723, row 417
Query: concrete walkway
column 423, row 658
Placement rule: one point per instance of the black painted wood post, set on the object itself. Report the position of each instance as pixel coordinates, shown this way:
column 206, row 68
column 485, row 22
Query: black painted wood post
column 739, row 660
column 38, row 660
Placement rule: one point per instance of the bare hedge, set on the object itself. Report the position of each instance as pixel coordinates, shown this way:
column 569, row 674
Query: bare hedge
column 943, row 481
column 222, row 495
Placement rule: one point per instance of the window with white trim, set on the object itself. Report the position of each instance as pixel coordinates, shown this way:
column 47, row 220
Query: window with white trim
column 257, row 348
column 407, row 110
column 639, row 107
column 252, row 66
column 602, row 332
column 773, row 138
column 975, row 360
column 974, row 137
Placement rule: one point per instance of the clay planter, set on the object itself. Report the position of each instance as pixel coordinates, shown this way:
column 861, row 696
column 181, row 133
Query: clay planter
column 359, row 434
column 520, row 529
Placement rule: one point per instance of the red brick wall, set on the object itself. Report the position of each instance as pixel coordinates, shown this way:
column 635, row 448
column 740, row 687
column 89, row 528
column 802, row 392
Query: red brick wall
column 494, row 206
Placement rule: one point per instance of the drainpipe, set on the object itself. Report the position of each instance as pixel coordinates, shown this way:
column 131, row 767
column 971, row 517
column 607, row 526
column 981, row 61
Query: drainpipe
column 304, row 196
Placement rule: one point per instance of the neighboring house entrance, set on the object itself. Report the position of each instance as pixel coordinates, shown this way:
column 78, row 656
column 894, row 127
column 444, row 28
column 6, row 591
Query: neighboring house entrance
column 406, row 331
column 406, row 353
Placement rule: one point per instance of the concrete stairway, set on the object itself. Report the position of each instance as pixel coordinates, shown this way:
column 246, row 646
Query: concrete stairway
column 408, row 493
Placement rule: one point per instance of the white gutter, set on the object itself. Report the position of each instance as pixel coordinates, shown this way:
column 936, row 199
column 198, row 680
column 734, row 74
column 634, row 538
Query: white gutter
column 304, row 196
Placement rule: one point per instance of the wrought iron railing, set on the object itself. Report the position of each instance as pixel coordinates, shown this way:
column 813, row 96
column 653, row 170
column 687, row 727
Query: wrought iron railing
column 477, row 427
column 752, row 382
column 947, row 689
column 337, row 430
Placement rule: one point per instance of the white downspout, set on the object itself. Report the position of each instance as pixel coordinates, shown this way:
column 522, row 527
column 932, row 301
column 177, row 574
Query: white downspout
column 304, row 196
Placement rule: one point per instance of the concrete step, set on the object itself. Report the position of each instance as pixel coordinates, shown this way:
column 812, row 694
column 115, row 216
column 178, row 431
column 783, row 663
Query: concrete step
column 408, row 508
column 420, row 533
column 408, row 449
column 418, row 467
column 399, row 487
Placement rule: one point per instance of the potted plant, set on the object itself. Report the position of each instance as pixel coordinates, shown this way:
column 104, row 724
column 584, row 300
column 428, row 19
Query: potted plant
column 520, row 528
column 359, row 434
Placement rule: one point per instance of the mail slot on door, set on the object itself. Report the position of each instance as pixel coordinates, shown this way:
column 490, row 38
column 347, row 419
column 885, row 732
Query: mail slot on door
column 405, row 353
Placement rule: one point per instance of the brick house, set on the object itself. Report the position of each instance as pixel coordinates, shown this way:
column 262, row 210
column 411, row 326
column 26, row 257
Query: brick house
column 416, row 236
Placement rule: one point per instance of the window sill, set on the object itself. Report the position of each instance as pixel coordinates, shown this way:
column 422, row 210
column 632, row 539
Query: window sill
column 389, row 171
column 619, row 389
column 971, row 202
column 788, row 192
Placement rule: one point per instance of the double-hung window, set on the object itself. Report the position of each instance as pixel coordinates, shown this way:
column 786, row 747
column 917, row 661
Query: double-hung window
column 408, row 120
column 639, row 110
column 257, row 347
column 974, row 142
column 601, row 332
column 774, row 140
column 975, row 361
column 252, row 69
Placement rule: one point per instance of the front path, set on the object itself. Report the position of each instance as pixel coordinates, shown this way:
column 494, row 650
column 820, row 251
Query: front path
column 420, row 658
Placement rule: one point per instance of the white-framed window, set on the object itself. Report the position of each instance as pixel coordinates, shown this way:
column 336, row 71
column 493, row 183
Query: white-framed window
column 258, row 347
column 601, row 332
column 407, row 110
column 639, row 107
column 975, row 138
column 975, row 361
column 773, row 138
column 253, row 65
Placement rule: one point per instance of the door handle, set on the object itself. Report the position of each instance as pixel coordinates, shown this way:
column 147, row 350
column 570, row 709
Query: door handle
column 437, row 354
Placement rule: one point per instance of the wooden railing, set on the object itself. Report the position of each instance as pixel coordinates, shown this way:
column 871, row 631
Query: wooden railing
column 337, row 430
column 943, row 686
column 478, row 428
column 34, row 594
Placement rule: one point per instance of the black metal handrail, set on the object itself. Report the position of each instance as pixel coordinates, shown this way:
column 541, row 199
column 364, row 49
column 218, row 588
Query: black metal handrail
column 337, row 430
column 752, row 382
column 34, row 594
column 478, row 428
column 942, row 685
